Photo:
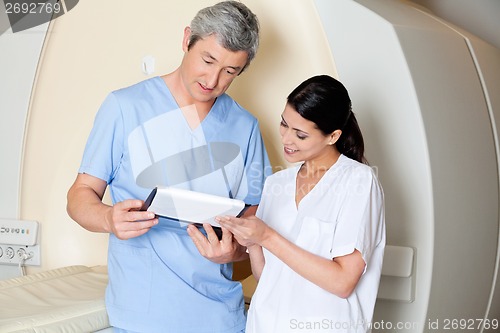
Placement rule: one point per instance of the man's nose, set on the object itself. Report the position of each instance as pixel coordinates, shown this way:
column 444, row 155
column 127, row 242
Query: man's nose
column 212, row 78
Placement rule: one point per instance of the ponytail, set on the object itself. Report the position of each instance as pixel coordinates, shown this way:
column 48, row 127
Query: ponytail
column 351, row 143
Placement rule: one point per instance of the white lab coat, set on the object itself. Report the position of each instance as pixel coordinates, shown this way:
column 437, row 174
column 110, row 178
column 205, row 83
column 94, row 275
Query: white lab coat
column 343, row 212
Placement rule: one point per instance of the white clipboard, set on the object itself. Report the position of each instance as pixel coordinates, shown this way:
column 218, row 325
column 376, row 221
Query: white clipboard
column 190, row 206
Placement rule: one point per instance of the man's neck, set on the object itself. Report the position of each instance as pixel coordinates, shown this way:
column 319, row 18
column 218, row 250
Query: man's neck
column 194, row 111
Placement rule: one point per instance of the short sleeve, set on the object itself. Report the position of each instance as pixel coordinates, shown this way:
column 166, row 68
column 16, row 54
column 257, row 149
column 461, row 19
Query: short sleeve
column 262, row 210
column 104, row 147
column 361, row 220
column 257, row 166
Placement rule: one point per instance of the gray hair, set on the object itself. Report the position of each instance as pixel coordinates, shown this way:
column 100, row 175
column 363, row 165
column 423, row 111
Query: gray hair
column 234, row 25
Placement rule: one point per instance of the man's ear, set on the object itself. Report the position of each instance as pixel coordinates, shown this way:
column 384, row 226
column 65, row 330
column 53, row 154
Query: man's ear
column 185, row 39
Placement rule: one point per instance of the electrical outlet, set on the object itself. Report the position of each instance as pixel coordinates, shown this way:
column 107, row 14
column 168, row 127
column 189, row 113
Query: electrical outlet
column 29, row 255
column 18, row 232
column 18, row 242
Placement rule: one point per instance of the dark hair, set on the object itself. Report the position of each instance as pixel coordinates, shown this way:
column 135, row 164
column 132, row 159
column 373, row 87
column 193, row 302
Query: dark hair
column 325, row 101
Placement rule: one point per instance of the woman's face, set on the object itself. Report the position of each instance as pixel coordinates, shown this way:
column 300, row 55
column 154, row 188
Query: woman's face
column 302, row 140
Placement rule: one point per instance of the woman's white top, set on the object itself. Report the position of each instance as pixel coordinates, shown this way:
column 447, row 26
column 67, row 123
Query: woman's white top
column 343, row 212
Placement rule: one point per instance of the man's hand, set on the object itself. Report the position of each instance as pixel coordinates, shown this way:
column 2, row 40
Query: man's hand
column 125, row 220
column 218, row 251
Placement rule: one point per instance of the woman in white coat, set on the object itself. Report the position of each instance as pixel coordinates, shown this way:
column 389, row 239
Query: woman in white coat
column 316, row 243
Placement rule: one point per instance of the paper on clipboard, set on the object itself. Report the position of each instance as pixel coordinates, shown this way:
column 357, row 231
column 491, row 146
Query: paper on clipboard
column 190, row 206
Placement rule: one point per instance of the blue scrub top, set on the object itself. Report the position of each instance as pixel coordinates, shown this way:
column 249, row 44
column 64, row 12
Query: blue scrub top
column 159, row 282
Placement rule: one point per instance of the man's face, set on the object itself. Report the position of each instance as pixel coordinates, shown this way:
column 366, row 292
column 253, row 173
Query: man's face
column 208, row 69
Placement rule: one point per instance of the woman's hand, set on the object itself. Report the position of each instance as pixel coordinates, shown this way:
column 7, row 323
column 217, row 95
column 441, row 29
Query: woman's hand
column 247, row 231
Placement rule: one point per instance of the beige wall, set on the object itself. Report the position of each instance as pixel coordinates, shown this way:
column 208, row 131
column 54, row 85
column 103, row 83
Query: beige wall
column 98, row 47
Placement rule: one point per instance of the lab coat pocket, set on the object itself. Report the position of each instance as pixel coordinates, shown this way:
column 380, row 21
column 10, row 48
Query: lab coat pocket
column 316, row 236
column 129, row 270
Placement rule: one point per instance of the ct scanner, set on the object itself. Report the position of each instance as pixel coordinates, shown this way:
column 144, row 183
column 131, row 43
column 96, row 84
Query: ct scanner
column 426, row 94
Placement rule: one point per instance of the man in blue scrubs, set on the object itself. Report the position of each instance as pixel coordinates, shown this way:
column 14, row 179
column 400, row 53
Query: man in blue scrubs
column 179, row 130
